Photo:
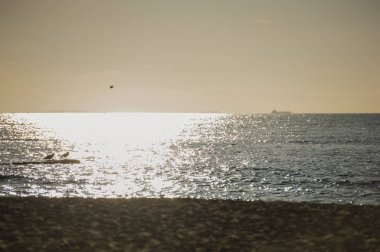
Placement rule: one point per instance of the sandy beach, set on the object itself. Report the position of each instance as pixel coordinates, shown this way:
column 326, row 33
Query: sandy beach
column 74, row 224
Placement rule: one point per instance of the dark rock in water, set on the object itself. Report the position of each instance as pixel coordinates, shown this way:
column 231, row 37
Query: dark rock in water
column 63, row 161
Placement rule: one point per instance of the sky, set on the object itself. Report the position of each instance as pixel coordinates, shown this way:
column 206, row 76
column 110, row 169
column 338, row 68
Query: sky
column 240, row 56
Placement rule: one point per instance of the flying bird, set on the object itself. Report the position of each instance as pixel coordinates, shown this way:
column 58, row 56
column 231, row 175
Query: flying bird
column 64, row 155
column 48, row 157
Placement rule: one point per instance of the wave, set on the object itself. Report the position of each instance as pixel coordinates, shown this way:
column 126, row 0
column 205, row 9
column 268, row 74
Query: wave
column 371, row 183
column 19, row 139
column 11, row 176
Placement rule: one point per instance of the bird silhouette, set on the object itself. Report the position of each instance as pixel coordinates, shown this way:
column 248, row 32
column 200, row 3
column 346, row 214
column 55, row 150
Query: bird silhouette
column 48, row 157
column 64, row 155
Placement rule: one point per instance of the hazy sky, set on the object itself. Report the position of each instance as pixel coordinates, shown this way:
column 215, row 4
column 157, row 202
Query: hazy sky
column 190, row 56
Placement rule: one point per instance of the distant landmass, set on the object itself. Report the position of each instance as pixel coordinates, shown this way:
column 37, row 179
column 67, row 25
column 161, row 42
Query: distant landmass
column 280, row 112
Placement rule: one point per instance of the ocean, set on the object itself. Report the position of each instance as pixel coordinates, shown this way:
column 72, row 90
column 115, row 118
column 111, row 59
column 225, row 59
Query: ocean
column 326, row 158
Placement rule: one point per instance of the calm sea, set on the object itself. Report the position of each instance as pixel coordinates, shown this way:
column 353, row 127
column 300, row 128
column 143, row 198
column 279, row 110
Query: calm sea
column 291, row 157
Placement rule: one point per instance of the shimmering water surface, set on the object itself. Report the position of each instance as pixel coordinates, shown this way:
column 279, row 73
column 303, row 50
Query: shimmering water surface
column 300, row 157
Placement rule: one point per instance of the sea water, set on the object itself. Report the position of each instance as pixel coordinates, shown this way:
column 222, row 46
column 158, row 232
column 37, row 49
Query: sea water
column 289, row 157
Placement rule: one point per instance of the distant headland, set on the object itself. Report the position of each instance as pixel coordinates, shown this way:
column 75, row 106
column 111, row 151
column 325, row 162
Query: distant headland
column 280, row 112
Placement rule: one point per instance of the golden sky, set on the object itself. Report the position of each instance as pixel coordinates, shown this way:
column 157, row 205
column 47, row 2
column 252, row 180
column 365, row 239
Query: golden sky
column 190, row 55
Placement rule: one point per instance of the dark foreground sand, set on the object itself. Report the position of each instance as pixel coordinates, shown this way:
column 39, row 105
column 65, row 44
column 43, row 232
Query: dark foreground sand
column 42, row 224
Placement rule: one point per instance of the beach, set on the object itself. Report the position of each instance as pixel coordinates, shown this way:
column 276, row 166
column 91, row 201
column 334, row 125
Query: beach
column 141, row 224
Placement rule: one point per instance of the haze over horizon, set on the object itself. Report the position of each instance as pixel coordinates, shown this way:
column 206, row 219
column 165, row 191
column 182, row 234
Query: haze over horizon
column 190, row 56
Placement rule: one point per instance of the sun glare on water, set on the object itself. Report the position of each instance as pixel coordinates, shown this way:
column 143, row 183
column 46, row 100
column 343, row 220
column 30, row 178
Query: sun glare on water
column 121, row 154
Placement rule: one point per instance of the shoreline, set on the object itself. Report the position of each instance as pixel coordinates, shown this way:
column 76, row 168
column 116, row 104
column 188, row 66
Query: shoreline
column 82, row 224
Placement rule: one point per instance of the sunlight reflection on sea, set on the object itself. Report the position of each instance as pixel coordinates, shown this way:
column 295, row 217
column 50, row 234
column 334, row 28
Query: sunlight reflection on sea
column 321, row 158
column 121, row 154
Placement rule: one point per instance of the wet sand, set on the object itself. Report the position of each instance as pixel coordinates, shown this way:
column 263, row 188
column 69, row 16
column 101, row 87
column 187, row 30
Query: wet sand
column 74, row 224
